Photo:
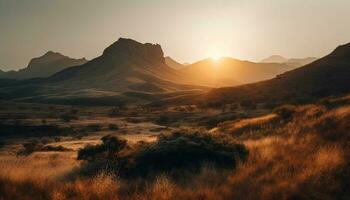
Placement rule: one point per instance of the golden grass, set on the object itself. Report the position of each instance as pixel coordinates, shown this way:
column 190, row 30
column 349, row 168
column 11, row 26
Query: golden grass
column 293, row 160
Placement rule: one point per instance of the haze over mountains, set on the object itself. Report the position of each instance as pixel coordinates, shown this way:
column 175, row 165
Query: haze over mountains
column 295, row 62
column 230, row 72
column 43, row 66
column 129, row 71
column 327, row 76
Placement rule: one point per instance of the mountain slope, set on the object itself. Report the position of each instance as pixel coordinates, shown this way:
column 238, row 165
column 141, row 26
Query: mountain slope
column 327, row 76
column 44, row 66
column 231, row 72
column 127, row 70
column 173, row 64
column 125, row 65
column 298, row 62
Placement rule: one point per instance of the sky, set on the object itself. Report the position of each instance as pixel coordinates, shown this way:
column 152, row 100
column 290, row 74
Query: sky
column 187, row 30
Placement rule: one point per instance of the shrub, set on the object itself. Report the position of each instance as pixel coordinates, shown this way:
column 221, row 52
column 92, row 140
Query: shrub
column 102, row 157
column 113, row 127
column 67, row 117
column 286, row 111
column 2, row 144
column 114, row 112
column 109, row 149
column 173, row 153
column 30, row 147
column 54, row 148
column 213, row 121
column 162, row 120
column 93, row 127
column 187, row 151
column 248, row 104
column 74, row 111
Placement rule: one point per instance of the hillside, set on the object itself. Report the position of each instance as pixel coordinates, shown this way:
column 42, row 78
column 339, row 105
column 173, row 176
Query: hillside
column 327, row 76
column 230, row 72
column 173, row 64
column 126, row 71
column 44, row 66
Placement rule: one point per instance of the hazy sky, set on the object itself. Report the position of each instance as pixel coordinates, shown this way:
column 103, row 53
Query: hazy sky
column 188, row 30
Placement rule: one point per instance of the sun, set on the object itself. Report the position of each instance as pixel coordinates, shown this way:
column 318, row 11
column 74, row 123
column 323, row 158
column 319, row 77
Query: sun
column 215, row 56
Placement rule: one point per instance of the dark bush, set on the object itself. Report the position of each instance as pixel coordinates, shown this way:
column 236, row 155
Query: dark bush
column 248, row 104
column 2, row 144
column 68, row 117
column 103, row 157
column 114, row 112
column 285, row 111
column 162, row 120
column 113, row 127
column 109, row 149
column 54, row 148
column 171, row 154
column 213, row 121
column 93, row 127
column 74, row 111
column 30, row 147
column 187, row 151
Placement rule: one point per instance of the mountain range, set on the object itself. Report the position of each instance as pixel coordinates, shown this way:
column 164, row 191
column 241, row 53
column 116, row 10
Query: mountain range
column 327, row 76
column 43, row 66
column 133, row 72
column 230, row 72
column 126, row 71
column 293, row 62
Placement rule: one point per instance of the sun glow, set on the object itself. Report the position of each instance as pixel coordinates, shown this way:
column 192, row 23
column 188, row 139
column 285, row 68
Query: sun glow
column 215, row 54
column 215, row 57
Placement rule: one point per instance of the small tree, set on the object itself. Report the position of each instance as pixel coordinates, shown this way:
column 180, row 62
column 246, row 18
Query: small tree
column 109, row 149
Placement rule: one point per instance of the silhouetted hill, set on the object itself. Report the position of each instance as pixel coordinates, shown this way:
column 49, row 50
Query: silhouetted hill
column 231, row 72
column 126, row 71
column 173, row 64
column 125, row 65
column 327, row 76
column 44, row 66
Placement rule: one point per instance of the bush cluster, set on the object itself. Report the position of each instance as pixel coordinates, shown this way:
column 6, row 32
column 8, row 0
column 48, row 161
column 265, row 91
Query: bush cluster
column 169, row 154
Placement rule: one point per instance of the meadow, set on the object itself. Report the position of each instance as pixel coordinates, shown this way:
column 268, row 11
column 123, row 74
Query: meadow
column 295, row 152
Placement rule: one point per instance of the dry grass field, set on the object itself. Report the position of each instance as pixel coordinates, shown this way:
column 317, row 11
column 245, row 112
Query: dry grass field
column 295, row 152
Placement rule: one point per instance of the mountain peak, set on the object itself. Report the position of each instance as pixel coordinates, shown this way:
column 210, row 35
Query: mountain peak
column 134, row 49
column 275, row 59
column 52, row 54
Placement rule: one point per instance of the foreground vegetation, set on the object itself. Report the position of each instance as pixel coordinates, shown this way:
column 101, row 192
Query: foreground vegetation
column 295, row 152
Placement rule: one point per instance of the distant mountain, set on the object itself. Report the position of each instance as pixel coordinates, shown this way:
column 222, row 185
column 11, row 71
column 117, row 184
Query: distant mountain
column 173, row 64
column 126, row 65
column 275, row 59
column 231, row 72
column 44, row 66
column 126, row 71
column 294, row 62
column 327, row 76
